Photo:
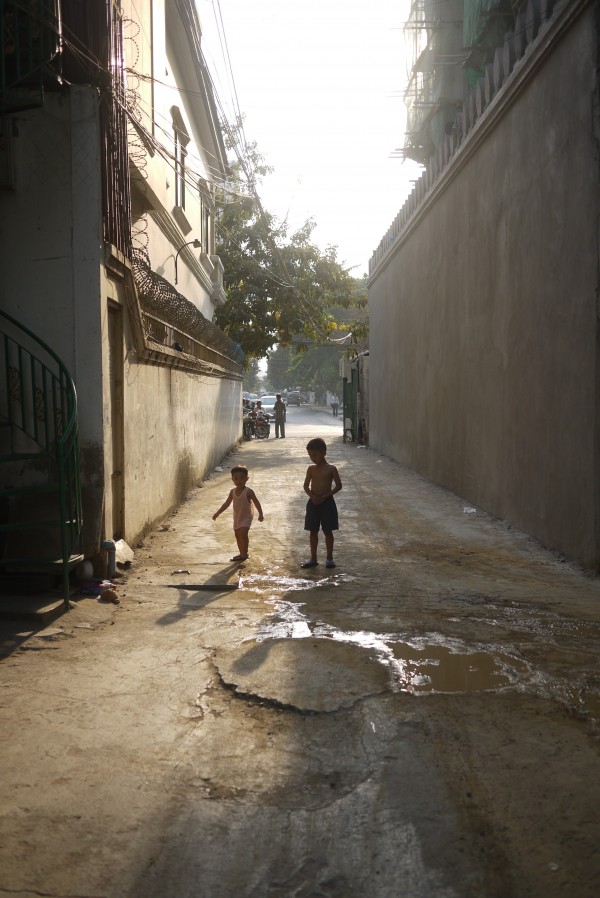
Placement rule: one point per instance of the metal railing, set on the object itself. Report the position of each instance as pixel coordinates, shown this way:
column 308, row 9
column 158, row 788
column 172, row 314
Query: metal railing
column 38, row 399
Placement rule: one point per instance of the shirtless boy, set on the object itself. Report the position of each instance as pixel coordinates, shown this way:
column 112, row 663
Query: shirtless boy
column 321, row 483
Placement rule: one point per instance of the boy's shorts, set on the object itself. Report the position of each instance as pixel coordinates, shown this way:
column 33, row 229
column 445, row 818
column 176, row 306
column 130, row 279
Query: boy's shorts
column 324, row 515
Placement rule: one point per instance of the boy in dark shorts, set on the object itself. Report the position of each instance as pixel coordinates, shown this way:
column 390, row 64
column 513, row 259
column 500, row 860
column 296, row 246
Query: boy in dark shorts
column 322, row 481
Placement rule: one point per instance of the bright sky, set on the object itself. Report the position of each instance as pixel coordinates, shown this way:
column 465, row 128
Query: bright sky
column 316, row 81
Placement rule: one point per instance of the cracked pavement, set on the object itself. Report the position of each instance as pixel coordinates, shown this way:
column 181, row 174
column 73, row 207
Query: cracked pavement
column 420, row 722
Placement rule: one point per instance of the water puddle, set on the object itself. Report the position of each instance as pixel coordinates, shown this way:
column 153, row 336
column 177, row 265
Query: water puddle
column 264, row 583
column 438, row 668
column 544, row 624
column 432, row 664
column 438, row 664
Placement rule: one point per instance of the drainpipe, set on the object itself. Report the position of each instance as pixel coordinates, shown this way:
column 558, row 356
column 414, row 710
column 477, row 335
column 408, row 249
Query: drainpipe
column 111, row 549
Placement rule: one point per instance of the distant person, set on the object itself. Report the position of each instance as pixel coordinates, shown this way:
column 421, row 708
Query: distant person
column 280, row 413
column 247, row 422
column 243, row 498
column 335, row 404
column 321, row 483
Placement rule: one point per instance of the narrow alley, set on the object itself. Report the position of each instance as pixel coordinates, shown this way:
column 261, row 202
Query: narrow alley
column 420, row 722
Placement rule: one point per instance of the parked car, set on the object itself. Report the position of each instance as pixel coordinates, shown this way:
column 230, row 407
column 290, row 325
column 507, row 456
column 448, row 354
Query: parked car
column 295, row 397
column 268, row 403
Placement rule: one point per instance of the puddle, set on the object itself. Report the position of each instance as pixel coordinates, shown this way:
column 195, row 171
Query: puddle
column 263, row 583
column 439, row 669
column 439, row 664
column 432, row 664
column 589, row 705
column 542, row 621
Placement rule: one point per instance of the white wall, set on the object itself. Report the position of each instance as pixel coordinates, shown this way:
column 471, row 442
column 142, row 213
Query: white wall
column 178, row 426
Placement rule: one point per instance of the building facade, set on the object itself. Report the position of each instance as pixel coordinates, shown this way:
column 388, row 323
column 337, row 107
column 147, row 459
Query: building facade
column 483, row 293
column 111, row 156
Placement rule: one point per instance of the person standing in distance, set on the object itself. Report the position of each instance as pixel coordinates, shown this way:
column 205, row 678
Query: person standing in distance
column 279, row 410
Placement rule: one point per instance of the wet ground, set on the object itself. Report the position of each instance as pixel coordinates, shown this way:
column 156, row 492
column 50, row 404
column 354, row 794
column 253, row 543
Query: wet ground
column 421, row 721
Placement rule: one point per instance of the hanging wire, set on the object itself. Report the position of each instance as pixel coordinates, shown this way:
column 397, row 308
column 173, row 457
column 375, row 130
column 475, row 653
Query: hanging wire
column 79, row 49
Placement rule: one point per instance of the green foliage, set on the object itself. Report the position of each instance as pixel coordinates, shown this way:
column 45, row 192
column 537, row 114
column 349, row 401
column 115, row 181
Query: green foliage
column 315, row 366
column 252, row 376
column 278, row 368
column 278, row 286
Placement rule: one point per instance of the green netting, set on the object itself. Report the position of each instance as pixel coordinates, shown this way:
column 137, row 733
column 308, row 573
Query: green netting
column 485, row 22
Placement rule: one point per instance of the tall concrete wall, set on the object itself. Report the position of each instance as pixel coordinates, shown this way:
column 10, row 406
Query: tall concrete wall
column 484, row 316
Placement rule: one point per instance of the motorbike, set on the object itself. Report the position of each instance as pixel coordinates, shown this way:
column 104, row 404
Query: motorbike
column 259, row 428
column 262, row 428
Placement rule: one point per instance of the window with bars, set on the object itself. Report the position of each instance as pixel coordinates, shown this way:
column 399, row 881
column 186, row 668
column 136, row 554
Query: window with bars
column 181, row 140
column 180, row 169
column 205, row 227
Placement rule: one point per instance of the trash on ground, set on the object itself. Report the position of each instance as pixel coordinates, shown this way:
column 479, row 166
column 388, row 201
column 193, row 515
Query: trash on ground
column 180, row 571
column 124, row 555
column 95, row 586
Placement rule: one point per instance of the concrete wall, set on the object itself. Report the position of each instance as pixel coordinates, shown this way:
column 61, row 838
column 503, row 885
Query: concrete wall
column 483, row 317
column 176, row 425
column 51, row 239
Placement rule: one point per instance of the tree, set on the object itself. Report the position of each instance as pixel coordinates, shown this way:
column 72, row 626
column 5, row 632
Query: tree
column 252, row 376
column 311, row 365
column 278, row 368
column 277, row 286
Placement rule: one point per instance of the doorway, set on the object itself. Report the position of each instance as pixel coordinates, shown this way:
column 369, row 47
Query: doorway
column 116, row 368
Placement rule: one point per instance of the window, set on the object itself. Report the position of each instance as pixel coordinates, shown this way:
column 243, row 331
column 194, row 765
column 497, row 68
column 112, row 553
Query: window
column 180, row 141
column 205, row 229
column 180, row 154
column 206, row 216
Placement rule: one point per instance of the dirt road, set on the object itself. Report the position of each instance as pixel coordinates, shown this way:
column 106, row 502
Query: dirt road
column 420, row 722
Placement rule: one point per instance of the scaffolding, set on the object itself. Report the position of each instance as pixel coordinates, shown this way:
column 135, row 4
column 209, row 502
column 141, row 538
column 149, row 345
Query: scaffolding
column 433, row 37
column 485, row 24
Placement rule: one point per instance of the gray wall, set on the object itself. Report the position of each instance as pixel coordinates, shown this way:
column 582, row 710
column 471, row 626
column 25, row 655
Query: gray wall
column 483, row 317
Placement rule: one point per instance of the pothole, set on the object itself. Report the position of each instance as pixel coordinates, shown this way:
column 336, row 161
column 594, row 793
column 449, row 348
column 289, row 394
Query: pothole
column 437, row 664
column 417, row 665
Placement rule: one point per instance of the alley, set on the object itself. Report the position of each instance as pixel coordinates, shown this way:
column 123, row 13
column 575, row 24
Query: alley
column 420, row 722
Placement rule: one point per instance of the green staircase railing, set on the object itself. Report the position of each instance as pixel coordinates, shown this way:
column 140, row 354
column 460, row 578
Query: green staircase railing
column 40, row 493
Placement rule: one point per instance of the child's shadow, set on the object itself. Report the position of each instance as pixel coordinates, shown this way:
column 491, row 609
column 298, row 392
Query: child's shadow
column 195, row 596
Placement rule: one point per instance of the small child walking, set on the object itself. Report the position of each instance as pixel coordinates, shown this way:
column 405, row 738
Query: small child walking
column 243, row 498
column 322, row 481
